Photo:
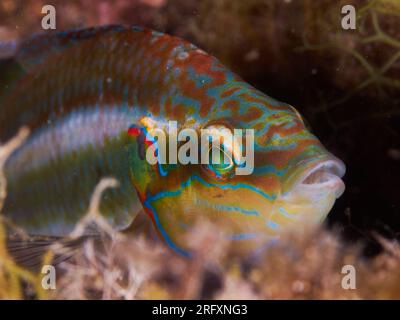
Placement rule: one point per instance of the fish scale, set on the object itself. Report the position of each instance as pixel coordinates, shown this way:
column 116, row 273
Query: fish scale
column 82, row 92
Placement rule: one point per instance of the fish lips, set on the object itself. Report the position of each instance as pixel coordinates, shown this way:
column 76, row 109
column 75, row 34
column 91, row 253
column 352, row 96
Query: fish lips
column 320, row 173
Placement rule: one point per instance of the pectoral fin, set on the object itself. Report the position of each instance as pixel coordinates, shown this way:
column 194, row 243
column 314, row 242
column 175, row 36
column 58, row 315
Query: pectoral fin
column 30, row 252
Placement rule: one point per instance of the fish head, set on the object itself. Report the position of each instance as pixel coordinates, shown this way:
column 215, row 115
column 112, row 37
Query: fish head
column 278, row 178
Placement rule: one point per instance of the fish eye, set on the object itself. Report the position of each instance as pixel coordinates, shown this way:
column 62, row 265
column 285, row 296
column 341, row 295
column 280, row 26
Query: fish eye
column 221, row 161
column 220, row 164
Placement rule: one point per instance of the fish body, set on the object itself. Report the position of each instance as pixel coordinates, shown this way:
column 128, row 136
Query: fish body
column 83, row 93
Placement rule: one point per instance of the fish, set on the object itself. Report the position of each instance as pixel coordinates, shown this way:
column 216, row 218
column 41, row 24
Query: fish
column 92, row 97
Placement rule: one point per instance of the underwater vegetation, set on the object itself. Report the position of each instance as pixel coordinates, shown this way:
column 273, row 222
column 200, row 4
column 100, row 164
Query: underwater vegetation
column 11, row 274
column 291, row 269
column 346, row 83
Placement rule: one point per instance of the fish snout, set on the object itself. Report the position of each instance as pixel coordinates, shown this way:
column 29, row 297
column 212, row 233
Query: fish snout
column 325, row 176
column 316, row 175
column 313, row 189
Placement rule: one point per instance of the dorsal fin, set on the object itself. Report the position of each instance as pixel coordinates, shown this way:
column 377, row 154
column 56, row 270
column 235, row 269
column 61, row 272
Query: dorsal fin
column 36, row 49
column 10, row 72
column 19, row 58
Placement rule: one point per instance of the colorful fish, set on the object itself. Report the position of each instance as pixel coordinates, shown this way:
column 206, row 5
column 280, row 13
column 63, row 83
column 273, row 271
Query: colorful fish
column 89, row 95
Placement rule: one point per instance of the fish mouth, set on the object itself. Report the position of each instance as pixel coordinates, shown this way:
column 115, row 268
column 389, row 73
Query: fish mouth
column 322, row 173
column 325, row 175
